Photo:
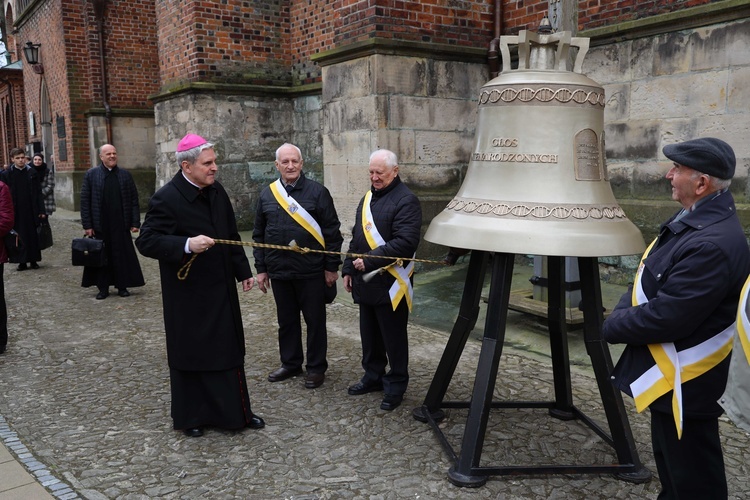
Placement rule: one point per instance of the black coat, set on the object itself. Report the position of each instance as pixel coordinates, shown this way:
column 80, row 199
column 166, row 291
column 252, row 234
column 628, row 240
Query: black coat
column 398, row 216
column 273, row 225
column 92, row 194
column 693, row 278
column 98, row 213
column 28, row 206
column 202, row 317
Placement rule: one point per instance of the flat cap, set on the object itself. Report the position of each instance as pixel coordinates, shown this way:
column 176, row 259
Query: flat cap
column 707, row 155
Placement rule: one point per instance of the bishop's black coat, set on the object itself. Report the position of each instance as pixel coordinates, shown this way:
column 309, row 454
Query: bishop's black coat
column 202, row 315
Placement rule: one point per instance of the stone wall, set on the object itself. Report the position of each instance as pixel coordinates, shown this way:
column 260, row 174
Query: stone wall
column 665, row 89
column 423, row 109
column 246, row 131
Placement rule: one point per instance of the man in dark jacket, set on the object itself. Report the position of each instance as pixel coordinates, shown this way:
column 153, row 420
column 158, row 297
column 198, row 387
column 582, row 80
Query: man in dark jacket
column 202, row 317
column 295, row 208
column 677, row 320
column 387, row 223
column 28, row 206
column 110, row 212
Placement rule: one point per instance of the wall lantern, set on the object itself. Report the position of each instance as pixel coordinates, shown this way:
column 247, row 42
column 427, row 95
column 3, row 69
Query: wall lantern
column 31, row 53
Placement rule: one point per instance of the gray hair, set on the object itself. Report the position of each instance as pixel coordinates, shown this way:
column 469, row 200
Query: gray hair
column 288, row 144
column 192, row 154
column 714, row 181
column 389, row 157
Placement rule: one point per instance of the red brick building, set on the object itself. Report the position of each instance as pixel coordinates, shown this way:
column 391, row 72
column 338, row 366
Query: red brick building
column 339, row 78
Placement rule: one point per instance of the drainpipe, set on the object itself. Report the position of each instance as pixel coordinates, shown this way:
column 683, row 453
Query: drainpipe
column 492, row 58
column 99, row 6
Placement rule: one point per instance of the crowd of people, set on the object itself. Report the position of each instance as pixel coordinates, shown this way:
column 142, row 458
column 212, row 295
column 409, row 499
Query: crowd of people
column 677, row 320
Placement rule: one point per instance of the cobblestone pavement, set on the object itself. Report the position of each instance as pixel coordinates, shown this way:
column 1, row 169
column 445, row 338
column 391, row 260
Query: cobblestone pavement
column 85, row 387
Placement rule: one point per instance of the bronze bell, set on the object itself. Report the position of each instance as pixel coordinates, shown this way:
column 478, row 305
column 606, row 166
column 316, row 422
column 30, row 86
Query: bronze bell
column 537, row 180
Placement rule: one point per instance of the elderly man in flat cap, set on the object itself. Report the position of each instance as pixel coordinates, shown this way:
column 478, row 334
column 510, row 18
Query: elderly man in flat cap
column 677, row 320
column 202, row 318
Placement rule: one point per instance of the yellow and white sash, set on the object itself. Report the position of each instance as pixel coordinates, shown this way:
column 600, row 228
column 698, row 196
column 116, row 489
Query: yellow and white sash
column 296, row 212
column 402, row 286
column 672, row 367
column 743, row 324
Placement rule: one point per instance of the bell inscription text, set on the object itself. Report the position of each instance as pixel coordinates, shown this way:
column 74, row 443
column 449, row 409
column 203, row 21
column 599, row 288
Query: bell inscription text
column 588, row 158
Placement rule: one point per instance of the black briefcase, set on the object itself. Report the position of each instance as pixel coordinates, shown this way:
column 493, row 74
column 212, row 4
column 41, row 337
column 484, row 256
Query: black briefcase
column 88, row 252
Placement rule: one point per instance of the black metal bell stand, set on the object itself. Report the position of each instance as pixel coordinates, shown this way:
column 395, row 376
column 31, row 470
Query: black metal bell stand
column 466, row 470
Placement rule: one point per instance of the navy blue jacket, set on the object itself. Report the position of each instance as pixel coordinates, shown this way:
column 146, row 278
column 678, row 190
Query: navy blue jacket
column 693, row 278
column 398, row 216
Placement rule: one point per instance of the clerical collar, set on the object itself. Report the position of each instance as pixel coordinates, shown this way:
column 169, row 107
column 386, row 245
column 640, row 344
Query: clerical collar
column 189, row 181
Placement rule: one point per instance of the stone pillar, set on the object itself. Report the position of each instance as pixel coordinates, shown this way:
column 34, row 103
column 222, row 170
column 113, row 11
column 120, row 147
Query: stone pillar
column 420, row 106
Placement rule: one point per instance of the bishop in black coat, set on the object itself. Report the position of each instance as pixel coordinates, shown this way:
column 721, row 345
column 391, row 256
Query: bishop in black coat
column 202, row 318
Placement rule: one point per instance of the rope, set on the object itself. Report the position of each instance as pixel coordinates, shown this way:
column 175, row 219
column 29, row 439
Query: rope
column 184, row 270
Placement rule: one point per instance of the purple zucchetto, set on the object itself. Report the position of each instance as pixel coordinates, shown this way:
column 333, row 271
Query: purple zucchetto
column 190, row 141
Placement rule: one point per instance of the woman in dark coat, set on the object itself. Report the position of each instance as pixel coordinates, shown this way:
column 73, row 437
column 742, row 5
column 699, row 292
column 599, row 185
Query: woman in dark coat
column 28, row 207
column 46, row 177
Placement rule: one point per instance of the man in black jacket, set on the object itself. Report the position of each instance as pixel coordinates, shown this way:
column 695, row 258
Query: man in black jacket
column 295, row 208
column 677, row 320
column 387, row 223
column 110, row 212
column 202, row 317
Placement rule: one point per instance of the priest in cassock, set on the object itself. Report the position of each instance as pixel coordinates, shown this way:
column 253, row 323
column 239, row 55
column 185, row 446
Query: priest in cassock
column 202, row 318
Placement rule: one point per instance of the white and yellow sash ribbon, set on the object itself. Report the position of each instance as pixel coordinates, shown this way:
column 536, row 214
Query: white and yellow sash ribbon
column 296, row 212
column 743, row 324
column 673, row 368
column 402, row 286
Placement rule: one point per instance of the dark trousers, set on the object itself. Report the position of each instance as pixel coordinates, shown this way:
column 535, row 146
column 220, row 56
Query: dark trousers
column 691, row 467
column 3, row 311
column 384, row 341
column 308, row 297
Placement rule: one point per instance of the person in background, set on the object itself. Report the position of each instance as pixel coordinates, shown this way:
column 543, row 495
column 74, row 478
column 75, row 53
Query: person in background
column 46, row 177
column 296, row 208
column 27, row 205
column 677, row 320
column 202, row 317
column 110, row 212
column 387, row 223
column 6, row 224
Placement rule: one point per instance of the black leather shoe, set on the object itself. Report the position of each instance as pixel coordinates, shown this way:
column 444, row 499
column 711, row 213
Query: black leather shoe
column 361, row 388
column 2, row 349
column 391, row 402
column 22, row 267
column 313, row 380
column 103, row 294
column 34, row 265
column 283, row 374
column 195, row 432
column 123, row 292
column 256, row 422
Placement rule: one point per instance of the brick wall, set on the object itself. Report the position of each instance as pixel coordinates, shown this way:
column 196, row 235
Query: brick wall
column 312, row 27
column 457, row 22
column 233, row 41
column 597, row 13
column 132, row 61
